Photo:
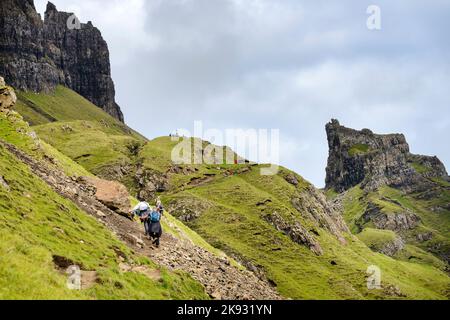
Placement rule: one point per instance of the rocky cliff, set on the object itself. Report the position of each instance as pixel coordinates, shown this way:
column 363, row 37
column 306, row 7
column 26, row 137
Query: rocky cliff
column 37, row 55
column 373, row 160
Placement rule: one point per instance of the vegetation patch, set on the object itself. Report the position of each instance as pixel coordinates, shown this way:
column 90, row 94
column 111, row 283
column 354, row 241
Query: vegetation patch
column 376, row 239
column 420, row 168
column 358, row 149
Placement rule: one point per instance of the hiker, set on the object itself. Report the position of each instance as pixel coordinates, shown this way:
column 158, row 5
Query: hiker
column 154, row 225
column 159, row 205
column 143, row 210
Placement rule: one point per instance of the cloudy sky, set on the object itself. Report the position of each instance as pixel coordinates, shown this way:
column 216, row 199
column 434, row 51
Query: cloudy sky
column 285, row 64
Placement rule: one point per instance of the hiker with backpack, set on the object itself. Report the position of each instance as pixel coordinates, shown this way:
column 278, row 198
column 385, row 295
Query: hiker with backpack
column 143, row 211
column 151, row 218
column 154, row 227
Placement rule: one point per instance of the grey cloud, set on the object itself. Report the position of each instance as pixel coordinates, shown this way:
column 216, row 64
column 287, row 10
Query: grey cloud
column 290, row 65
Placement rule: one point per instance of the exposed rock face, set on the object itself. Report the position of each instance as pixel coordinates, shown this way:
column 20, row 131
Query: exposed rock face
column 314, row 206
column 422, row 237
column 295, row 231
column 112, row 194
column 375, row 160
column 397, row 222
column 392, row 247
column 38, row 55
column 150, row 182
column 7, row 96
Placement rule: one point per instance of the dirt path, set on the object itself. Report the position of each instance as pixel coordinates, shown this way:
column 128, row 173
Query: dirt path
column 220, row 279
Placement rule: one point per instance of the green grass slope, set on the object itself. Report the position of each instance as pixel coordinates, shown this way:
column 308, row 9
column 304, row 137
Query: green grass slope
column 233, row 223
column 83, row 132
column 229, row 203
column 65, row 105
column 230, row 218
column 393, row 201
column 37, row 224
column 38, row 228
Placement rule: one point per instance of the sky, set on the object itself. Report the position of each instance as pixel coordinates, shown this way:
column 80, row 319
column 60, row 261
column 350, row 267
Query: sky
column 290, row 65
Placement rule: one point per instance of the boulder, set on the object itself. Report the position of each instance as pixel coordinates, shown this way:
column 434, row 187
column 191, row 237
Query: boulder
column 292, row 179
column 8, row 97
column 112, row 194
column 392, row 247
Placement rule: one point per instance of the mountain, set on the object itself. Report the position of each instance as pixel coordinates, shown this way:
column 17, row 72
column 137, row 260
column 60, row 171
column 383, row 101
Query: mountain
column 43, row 231
column 38, row 55
column 69, row 172
column 55, row 214
column 362, row 157
column 389, row 193
column 280, row 229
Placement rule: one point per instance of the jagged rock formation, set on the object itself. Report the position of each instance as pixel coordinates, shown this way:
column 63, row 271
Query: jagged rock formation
column 372, row 160
column 418, row 193
column 295, row 231
column 7, row 96
column 149, row 182
column 397, row 222
column 313, row 205
column 38, row 55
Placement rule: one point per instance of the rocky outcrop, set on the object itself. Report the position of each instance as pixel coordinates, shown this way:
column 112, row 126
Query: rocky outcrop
column 423, row 237
column 112, row 194
column 372, row 160
column 38, row 55
column 7, row 96
column 392, row 247
column 314, row 206
column 150, row 182
column 187, row 208
column 398, row 221
column 295, row 231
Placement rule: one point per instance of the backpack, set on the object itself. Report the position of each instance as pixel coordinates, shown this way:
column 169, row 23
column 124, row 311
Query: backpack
column 155, row 216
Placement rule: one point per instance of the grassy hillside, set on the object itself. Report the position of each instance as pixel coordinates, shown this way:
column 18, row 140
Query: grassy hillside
column 392, row 201
column 82, row 131
column 65, row 105
column 37, row 225
column 228, row 205
column 233, row 223
column 41, row 233
column 228, row 202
